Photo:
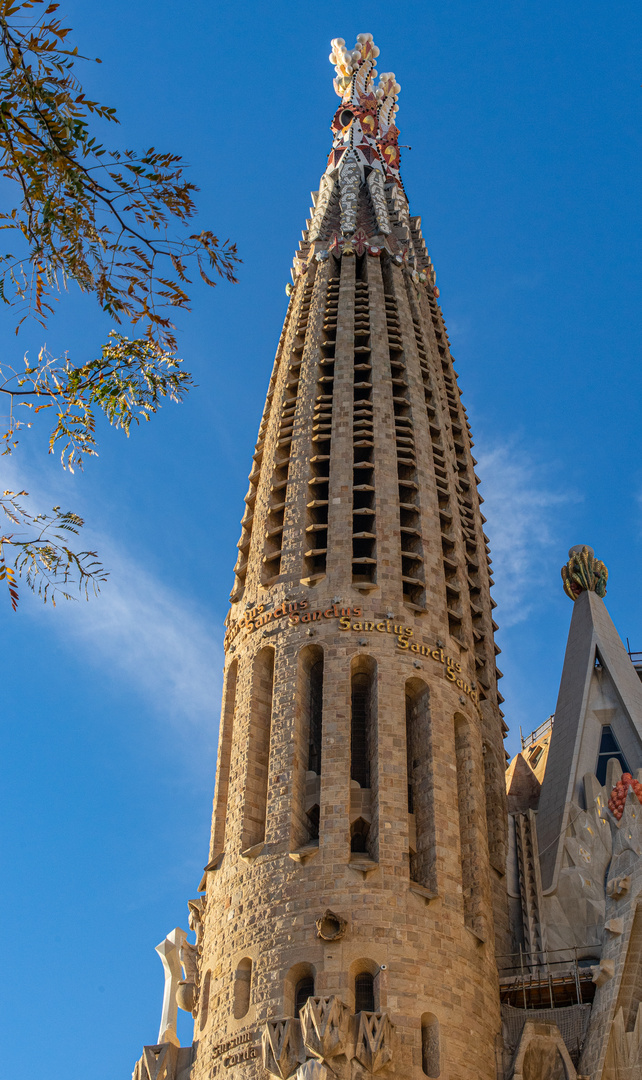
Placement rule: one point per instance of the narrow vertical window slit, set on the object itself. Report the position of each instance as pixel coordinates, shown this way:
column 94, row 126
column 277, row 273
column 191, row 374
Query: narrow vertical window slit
column 258, row 753
column 412, row 559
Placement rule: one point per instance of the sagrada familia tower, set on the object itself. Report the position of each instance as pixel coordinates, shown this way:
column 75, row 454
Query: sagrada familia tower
column 382, row 897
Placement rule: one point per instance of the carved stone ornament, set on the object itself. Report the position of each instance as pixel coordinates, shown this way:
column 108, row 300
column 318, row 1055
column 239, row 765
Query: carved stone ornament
column 350, row 184
column 363, row 168
column 326, row 191
column 373, row 1048
column 165, row 1061
column 378, row 196
column 169, row 952
column 574, row 911
column 196, row 910
column 584, row 573
column 617, row 887
column 603, row 971
column 188, row 954
column 282, row 1047
column 325, row 1026
column 336, row 1042
column 186, row 996
column 312, row 1070
column 624, row 1054
column 618, row 796
column 331, row 927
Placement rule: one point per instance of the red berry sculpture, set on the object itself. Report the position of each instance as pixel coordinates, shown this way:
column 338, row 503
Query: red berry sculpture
column 619, row 793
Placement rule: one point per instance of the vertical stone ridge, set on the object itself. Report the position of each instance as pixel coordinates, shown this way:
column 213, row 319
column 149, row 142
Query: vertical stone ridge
column 240, row 569
column 273, row 548
column 321, row 444
column 412, row 568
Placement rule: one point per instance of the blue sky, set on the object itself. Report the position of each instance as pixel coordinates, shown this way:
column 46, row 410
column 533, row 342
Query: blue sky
column 524, row 126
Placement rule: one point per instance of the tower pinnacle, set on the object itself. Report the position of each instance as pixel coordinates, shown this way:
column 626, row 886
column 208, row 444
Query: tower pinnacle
column 361, row 204
column 365, row 133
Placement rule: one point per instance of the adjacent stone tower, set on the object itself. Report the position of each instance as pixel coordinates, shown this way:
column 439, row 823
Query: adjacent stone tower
column 355, row 887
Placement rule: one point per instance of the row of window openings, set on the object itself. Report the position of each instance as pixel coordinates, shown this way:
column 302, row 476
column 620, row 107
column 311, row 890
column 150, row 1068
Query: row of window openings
column 318, row 484
column 412, row 563
column 243, row 545
column 364, row 559
column 364, row 539
column 278, row 492
column 451, row 569
column 363, row 764
column 364, row 991
column 364, row 562
column 465, row 508
column 364, row 1001
column 465, row 501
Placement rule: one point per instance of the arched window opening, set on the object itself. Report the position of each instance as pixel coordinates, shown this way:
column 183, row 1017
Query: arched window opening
column 430, row 1054
column 468, row 825
column 315, row 708
column 242, row 988
column 256, row 786
column 313, row 816
column 359, row 836
column 298, row 987
column 496, row 817
column 409, row 755
column 419, row 766
column 364, row 760
column 308, row 737
column 364, row 992
column 304, row 990
column 360, row 728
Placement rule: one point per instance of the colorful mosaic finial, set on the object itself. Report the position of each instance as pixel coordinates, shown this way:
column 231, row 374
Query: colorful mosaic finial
column 364, row 122
column 584, row 573
column 361, row 206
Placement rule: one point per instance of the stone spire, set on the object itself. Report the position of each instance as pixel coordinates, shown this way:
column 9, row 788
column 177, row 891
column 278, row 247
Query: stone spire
column 355, row 882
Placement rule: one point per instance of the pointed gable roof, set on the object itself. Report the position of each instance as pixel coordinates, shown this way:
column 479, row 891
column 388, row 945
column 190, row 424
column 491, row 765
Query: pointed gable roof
column 590, row 697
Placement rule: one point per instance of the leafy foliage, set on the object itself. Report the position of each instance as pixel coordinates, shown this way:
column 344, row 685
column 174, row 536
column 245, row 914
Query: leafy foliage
column 44, row 558
column 117, row 224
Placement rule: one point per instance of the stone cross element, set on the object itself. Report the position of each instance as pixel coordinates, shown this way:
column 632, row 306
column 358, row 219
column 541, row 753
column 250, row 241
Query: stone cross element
column 169, row 951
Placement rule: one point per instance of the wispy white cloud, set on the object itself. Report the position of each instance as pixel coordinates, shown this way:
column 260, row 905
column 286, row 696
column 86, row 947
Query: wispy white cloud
column 161, row 643
column 520, row 504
